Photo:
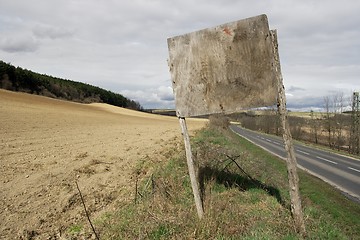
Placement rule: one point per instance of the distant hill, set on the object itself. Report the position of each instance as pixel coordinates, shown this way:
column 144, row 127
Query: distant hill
column 23, row 80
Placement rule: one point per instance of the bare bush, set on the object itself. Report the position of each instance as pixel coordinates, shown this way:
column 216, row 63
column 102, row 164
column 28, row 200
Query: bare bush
column 219, row 121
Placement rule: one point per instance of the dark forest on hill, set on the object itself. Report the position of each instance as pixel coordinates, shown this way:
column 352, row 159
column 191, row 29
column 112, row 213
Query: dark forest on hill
column 23, row 80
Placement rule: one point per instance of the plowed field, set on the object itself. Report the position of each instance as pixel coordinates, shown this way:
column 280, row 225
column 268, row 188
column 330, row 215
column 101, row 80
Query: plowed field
column 48, row 145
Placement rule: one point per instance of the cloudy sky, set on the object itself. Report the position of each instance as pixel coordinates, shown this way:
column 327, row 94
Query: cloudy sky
column 121, row 45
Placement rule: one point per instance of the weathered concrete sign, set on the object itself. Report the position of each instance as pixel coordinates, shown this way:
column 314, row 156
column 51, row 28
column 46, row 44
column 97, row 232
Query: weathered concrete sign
column 223, row 69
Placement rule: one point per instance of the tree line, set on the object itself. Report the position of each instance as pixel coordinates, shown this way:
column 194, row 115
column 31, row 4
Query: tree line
column 23, row 80
column 333, row 127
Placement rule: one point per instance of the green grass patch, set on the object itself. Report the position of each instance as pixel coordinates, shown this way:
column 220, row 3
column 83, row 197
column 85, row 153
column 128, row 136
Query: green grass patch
column 245, row 196
column 75, row 229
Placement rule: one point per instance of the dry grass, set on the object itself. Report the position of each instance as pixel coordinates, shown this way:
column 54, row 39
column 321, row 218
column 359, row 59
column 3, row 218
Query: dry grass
column 246, row 200
column 46, row 145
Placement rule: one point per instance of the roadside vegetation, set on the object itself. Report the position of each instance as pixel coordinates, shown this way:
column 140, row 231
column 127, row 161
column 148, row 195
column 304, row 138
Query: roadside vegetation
column 334, row 128
column 245, row 196
column 23, row 80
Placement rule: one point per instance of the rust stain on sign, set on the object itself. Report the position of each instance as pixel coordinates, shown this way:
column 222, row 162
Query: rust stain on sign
column 223, row 69
column 227, row 31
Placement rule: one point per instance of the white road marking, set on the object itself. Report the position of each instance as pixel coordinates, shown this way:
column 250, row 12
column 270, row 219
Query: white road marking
column 303, row 152
column 277, row 143
column 268, row 140
column 354, row 169
column 327, row 160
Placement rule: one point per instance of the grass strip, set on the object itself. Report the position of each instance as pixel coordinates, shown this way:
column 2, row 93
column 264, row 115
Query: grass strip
column 246, row 200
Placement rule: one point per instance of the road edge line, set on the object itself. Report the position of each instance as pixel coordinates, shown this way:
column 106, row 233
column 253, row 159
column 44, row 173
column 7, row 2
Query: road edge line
column 353, row 195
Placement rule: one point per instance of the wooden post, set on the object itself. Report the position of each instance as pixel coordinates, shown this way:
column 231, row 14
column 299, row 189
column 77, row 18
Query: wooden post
column 191, row 167
column 295, row 199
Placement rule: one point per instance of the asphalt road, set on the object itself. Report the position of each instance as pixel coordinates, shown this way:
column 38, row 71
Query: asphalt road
column 340, row 171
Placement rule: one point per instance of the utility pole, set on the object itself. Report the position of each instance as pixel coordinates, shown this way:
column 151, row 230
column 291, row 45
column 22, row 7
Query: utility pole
column 355, row 125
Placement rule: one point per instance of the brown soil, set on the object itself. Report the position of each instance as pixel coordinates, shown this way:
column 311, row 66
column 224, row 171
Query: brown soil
column 48, row 145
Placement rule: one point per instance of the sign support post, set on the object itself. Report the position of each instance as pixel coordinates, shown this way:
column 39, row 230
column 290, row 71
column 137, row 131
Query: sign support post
column 191, row 167
column 293, row 177
column 227, row 68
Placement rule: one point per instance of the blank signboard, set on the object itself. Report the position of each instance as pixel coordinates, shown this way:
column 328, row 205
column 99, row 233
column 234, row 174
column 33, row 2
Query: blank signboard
column 223, row 69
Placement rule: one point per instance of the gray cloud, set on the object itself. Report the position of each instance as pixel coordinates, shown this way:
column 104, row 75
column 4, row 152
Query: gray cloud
column 122, row 44
column 294, row 89
column 160, row 97
column 19, row 44
column 165, row 93
column 308, row 102
column 43, row 31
